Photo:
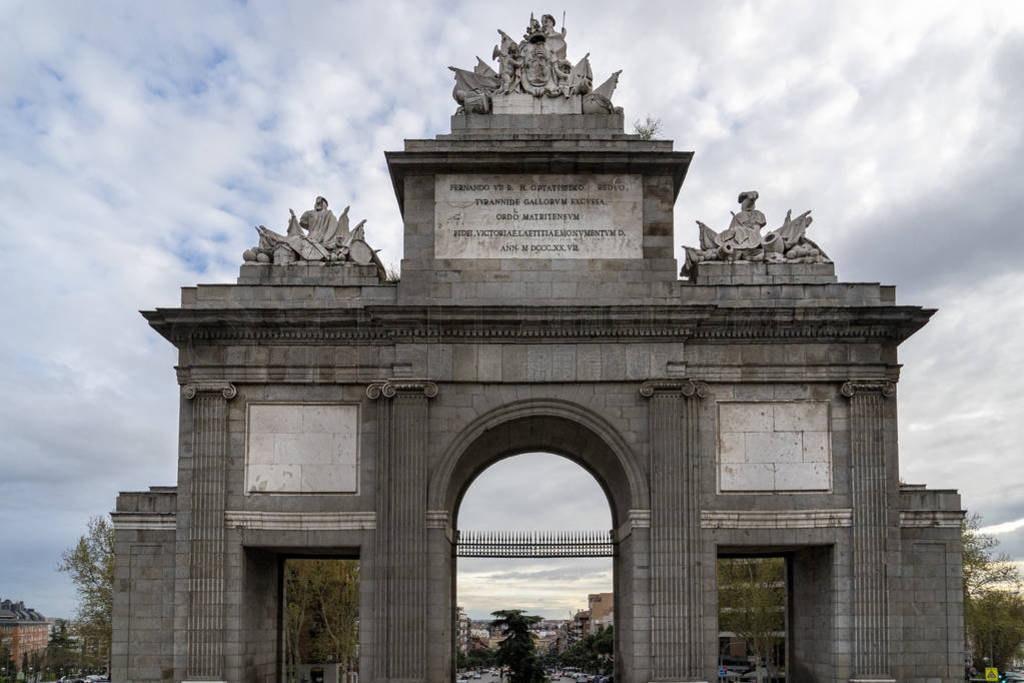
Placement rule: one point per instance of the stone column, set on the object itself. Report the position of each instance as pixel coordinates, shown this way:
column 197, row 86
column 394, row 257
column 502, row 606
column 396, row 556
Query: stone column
column 677, row 607
column 400, row 543
column 206, row 564
column 870, row 608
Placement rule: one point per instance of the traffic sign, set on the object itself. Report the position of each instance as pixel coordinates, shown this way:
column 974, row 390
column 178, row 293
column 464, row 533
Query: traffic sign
column 991, row 673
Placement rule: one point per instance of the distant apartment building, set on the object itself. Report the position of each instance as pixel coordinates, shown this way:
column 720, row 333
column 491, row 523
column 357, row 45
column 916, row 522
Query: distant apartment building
column 602, row 611
column 22, row 629
column 580, row 626
column 462, row 629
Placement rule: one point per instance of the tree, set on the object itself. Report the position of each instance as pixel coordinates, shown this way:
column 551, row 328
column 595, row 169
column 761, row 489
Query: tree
column 90, row 564
column 321, row 616
column 648, row 128
column 518, row 649
column 60, row 655
column 752, row 602
column 993, row 608
column 592, row 653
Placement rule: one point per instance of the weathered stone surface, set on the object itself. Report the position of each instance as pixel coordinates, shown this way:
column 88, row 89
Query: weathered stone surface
column 538, row 216
column 774, row 446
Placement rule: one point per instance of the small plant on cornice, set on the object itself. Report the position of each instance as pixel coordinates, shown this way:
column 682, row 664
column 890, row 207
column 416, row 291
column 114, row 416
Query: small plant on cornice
column 648, row 128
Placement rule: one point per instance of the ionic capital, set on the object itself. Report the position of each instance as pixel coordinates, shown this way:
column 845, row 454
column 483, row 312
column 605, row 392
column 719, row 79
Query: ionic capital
column 685, row 387
column 856, row 386
column 389, row 388
column 227, row 389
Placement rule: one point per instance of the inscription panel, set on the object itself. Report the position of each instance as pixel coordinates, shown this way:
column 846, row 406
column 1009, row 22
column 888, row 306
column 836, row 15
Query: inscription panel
column 774, row 446
column 531, row 216
column 302, row 448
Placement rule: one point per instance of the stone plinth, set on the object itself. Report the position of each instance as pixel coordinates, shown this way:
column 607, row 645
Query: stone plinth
column 533, row 123
column 521, row 103
column 309, row 273
column 740, row 273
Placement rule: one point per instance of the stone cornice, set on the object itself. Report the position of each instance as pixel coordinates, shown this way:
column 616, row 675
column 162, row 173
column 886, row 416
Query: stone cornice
column 561, row 161
column 636, row 518
column 147, row 521
column 768, row 519
column 856, row 386
column 438, row 519
column 391, row 387
column 300, row 521
column 534, row 324
column 684, row 386
column 924, row 519
column 227, row 389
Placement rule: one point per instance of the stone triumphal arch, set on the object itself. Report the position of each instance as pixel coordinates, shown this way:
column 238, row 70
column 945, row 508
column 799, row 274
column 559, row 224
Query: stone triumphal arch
column 748, row 407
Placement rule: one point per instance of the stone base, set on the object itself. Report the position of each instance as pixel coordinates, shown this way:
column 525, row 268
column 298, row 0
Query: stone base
column 534, row 124
column 521, row 103
column 746, row 273
column 308, row 273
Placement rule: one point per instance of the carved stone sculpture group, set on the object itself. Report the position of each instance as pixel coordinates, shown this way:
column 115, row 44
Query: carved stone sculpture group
column 537, row 66
column 743, row 241
column 316, row 235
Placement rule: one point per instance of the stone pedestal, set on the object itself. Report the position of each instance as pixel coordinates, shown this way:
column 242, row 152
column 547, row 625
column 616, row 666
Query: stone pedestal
column 521, row 103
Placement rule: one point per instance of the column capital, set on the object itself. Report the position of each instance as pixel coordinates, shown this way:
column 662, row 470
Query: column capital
column 685, row 387
column 852, row 387
column 388, row 388
column 227, row 389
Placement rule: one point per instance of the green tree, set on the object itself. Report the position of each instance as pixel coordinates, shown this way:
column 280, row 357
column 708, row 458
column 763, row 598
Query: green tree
column 90, row 564
column 993, row 608
column 752, row 602
column 60, row 655
column 321, row 616
column 518, row 650
column 592, row 653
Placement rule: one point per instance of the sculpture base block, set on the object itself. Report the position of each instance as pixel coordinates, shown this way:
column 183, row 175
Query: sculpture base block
column 747, row 273
column 521, row 103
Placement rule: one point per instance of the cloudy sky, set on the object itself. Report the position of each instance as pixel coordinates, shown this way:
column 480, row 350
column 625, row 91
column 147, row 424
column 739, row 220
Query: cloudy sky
column 140, row 142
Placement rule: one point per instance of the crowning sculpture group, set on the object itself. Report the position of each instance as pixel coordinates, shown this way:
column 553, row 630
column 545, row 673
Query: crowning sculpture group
column 537, row 66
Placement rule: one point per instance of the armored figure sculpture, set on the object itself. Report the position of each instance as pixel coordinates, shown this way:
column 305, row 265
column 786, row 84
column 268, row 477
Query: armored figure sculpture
column 316, row 235
column 537, row 66
column 743, row 241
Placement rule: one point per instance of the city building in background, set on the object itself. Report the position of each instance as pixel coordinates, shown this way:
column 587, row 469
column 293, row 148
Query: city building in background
column 23, row 631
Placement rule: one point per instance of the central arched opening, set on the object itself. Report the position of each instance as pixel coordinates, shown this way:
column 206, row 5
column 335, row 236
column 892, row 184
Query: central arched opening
column 529, row 506
column 561, row 431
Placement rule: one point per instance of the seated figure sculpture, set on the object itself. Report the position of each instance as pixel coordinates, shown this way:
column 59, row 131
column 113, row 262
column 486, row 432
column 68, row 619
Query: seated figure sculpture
column 316, row 235
column 742, row 241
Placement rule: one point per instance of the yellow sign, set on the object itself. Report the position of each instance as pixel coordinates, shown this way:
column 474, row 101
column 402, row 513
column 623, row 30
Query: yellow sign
column 991, row 673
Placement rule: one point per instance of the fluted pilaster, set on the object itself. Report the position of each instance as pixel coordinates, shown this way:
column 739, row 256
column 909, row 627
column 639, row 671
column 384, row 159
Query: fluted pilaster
column 401, row 543
column 870, row 613
column 676, row 572
column 206, row 530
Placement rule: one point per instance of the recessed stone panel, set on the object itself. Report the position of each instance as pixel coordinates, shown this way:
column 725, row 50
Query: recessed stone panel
column 538, row 216
column 302, row 448
column 774, row 446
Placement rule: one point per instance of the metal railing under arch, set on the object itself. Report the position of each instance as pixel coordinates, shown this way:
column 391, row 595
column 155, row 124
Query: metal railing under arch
column 534, row 544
